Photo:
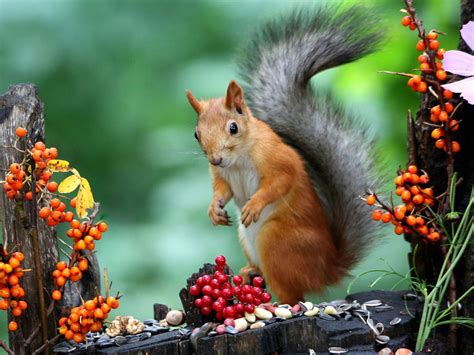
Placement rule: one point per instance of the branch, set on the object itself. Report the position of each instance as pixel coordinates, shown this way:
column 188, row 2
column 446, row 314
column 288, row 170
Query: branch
column 6, row 348
column 46, row 344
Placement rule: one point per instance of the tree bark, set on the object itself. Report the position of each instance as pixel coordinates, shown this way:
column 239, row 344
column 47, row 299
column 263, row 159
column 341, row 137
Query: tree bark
column 429, row 256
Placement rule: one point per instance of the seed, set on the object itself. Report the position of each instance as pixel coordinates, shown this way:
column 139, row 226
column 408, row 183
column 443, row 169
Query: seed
column 373, row 303
column 261, row 313
column 312, row 312
column 283, row 313
column 395, row 321
column 330, row 310
column 337, row 350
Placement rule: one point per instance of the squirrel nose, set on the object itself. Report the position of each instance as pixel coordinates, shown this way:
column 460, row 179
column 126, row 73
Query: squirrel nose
column 215, row 160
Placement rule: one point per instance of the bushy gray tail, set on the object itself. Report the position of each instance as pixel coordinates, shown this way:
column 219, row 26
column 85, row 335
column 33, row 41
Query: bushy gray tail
column 277, row 68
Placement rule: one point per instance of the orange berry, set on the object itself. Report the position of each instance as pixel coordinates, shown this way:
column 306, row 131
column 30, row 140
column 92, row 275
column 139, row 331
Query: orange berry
column 435, row 110
column 410, row 220
column 52, row 186
column 428, row 191
column 422, row 58
column 424, row 179
column 54, row 203
column 98, row 313
column 73, row 202
column 90, row 246
column 57, row 216
column 420, row 46
column 412, row 26
column 23, row 305
column 410, row 206
column 69, row 335
column 422, row 87
column 89, row 305
column 433, row 237
column 455, row 147
column 96, row 326
column 78, row 337
column 114, row 303
column 406, row 21
column 377, row 215
column 53, row 153
column 437, row 133
column 422, row 230
column 105, row 308
column 68, row 216
column 398, row 230
column 447, row 94
column 60, row 281
column 453, row 125
column 432, row 35
column 415, row 179
column 102, row 226
column 14, row 262
column 80, row 245
column 398, row 180
column 418, row 199
column 434, row 118
column 443, row 116
column 83, row 264
column 74, row 317
column 440, row 144
column 416, row 79
column 66, row 273
column 75, row 224
column 420, row 221
column 15, row 168
column 57, row 295
column 425, row 67
column 4, row 305
column 411, row 83
column 88, row 239
column 370, row 200
column 412, row 169
column 62, row 321
column 441, row 74
column 62, row 207
column 75, row 270
column 386, row 217
column 40, row 145
column 61, row 265
column 16, row 311
column 440, row 53
column 76, row 233
column 448, row 107
column 44, row 212
column 20, row 132
column 406, row 195
column 13, row 326
column 434, row 45
column 13, row 280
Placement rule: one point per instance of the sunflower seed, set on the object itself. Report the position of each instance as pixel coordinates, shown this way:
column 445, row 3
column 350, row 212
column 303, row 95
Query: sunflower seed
column 383, row 308
column 382, row 339
column 373, row 303
column 325, row 316
column 330, row 310
column 395, row 321
column 337, row 350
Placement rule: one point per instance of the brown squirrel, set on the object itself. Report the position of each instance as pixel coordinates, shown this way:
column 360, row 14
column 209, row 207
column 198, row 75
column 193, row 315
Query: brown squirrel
column 295, row 171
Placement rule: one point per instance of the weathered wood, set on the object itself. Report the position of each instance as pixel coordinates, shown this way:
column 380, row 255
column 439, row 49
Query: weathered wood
column 20, row 106
column 160, row 311
column 193, row 316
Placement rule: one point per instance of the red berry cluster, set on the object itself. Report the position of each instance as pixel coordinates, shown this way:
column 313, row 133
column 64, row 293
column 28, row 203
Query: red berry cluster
column 432, row 72
column 87, row 318
column 11, row 292
column 215, row 294
column 410, row 216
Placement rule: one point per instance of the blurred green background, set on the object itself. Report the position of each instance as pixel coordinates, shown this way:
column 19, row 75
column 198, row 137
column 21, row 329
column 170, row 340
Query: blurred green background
column 112, row 75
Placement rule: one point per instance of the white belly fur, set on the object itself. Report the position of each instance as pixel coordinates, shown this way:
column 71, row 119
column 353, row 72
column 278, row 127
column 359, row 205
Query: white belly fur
column 244, row 182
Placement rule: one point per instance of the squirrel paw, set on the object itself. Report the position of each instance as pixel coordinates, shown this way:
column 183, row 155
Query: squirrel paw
column 248, row 272
column 251, row 212
column 218, row 215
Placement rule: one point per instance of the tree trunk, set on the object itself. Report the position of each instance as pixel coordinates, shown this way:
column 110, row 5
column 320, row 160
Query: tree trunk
column 429, row 256
column 20, row 107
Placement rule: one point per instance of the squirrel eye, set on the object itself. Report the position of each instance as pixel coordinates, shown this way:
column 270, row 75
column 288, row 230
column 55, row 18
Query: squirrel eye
column 196, row 134
column 233, row 129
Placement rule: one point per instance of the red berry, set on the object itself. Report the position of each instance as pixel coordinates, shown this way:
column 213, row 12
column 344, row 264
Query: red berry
column 198, row 302
column 20, row 132
column 200, row 282
column 236, row 290
column 265, row 297
column 257, row 281
column 207, row 289
column 206, row 300
column 248, row 298
column 194, row 290
column 249, row 308
column 206, row 310
column 220, row 260
column 216, row 293
column 226, row 293
column 441, row 74
column 214, row 283
column 206, row 279
column 434, row 44
column 237, row 280
column 247, row 289
column 217, row 306
column 377, row 215
column 239, row 308
column 420, row 46
column 406, row 21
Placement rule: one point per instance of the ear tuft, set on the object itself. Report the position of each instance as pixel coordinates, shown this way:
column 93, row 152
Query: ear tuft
column 235, row 96
column 194, row 102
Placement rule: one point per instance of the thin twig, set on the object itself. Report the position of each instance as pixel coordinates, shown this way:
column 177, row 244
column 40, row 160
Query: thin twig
column 46, row 344
column 6, row 348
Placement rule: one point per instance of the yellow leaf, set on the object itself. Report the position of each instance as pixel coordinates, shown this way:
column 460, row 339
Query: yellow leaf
column 85, row 200
column 69, row 184
column 58, row 166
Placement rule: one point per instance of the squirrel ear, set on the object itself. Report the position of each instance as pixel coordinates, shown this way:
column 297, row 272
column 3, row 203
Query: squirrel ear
column 194, row 102
column 235, row 96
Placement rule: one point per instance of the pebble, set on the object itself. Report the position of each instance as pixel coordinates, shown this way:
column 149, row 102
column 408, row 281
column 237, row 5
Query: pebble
column 174, row 317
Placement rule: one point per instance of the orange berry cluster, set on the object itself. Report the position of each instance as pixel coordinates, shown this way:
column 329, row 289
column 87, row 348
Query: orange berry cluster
column 11, row 292
column 56, row 213
column 431, row 67
column 64, row 272
column 86, row 318
column 85, row 234
column 408, row 217
column 14, row 182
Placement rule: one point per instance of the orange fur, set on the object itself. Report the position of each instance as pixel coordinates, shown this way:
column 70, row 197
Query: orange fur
column 295, row 250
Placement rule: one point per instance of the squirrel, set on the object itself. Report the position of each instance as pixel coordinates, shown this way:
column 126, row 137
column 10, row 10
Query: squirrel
column 293, row 161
